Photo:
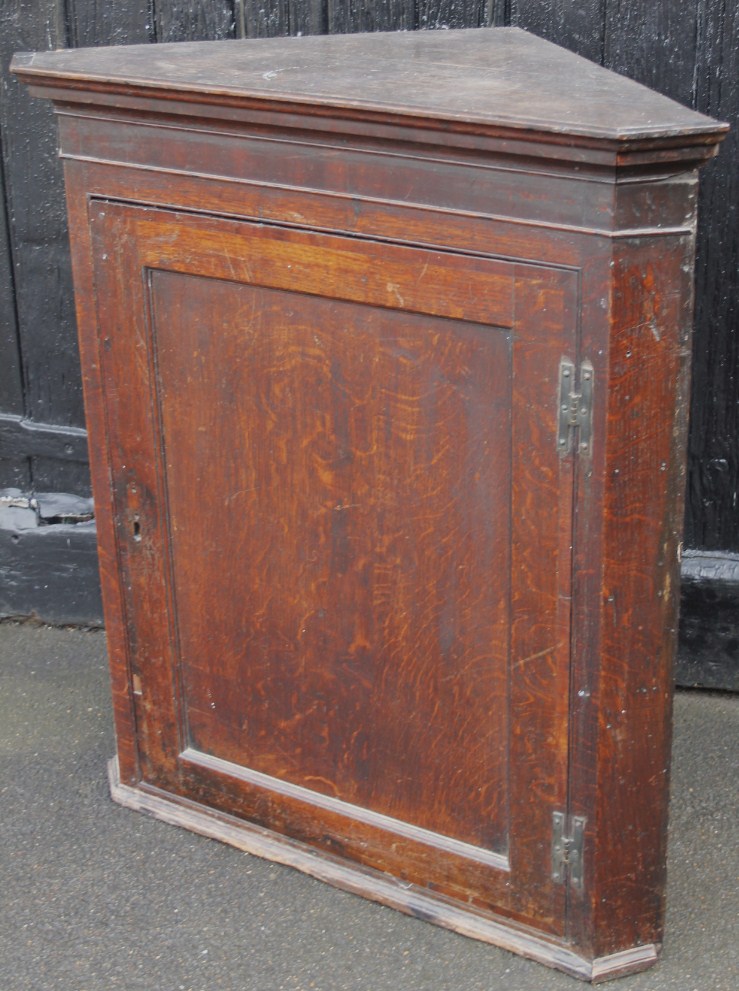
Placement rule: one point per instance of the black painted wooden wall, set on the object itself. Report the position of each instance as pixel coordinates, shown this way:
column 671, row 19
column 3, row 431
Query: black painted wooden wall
column 687, row 50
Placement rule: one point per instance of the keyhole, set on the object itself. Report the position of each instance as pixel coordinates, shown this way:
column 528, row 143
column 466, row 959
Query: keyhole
column 136, row 530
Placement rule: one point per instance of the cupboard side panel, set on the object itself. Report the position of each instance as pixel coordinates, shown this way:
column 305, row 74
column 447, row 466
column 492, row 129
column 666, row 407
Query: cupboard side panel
column 642, row 529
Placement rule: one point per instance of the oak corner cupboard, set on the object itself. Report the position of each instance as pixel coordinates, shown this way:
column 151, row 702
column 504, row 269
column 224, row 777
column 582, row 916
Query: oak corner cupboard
column 385, row 343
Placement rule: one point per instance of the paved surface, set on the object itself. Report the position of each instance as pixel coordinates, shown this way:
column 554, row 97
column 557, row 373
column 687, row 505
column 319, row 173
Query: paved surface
column 94, row 897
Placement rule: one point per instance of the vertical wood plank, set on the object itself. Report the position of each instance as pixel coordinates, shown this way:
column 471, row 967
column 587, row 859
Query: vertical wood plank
column 37, row 228
column 577, row 26
column 176, row 20
column 451, row 13
column 713, row 480
column 97, row 22
column 498, row 13
column 308, row 16
column 687, row 51
column 638, row 599
column 383, row 15
column 653, row 42
column 11, row 382
column 265, row 18
column 13, row 471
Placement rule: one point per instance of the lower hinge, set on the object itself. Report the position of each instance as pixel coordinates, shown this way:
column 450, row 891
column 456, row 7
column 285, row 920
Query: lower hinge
column 567, row 849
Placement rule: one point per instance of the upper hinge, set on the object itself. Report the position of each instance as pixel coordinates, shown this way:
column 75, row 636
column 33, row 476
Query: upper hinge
column 575, row 408
column 567, row 849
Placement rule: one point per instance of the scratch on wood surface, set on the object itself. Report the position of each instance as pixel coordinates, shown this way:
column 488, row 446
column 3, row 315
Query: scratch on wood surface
column 539, row 653
column 394, row 289
column 240, row 492
column 273, row 73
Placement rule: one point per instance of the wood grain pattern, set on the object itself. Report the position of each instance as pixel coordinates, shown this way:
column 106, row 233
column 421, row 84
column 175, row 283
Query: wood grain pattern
column 265, row 18
column 401, row 175
column 667, row 64
column 14, row 467
column 94, row 22
column 427, row 631
column 378, row 887
column 688, row 54
column 41, row 304
column 373, row 614
column 649, row 344
column 482, row 89
column 712, row 521
column 177, row 21
column 708, row 615
column 434, row 14
column 581, row 26
column 348, row 651
column 345, row 16
column 49, row 571
column 309, row 17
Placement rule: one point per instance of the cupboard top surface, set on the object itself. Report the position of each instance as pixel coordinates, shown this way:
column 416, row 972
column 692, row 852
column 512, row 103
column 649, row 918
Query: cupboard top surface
column 495, row 79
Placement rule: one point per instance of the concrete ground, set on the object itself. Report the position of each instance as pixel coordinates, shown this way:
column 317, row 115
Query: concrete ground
column 94, row 897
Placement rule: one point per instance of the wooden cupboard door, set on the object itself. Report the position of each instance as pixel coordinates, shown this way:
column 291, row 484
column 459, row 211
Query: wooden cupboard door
column 344, row 540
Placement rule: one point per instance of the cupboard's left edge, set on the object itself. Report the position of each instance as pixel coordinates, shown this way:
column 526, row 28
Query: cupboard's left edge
column 94, row 395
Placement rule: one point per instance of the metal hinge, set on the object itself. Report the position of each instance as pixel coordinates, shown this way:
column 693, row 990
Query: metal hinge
column 575, row 408
column 567, row 849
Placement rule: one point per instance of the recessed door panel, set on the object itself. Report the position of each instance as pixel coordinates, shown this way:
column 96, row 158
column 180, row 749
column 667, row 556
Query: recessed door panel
column 358, row 617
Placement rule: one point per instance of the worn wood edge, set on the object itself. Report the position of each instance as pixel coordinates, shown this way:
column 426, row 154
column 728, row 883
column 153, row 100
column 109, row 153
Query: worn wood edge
column 377, row 820
column 628, row 146
column 50, row 573
column 624, row 962
column 370, row 884
column 27, row 438
column 708, row 655
column 698, row 565
column 405, row 143
column 625, row 233
column 590, row 161
column 26, row 65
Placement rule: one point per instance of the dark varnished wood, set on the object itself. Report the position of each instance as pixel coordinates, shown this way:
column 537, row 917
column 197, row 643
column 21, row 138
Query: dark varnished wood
column 688, row 55
column 391, row 595
column 477, row 84
column 337, row 319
